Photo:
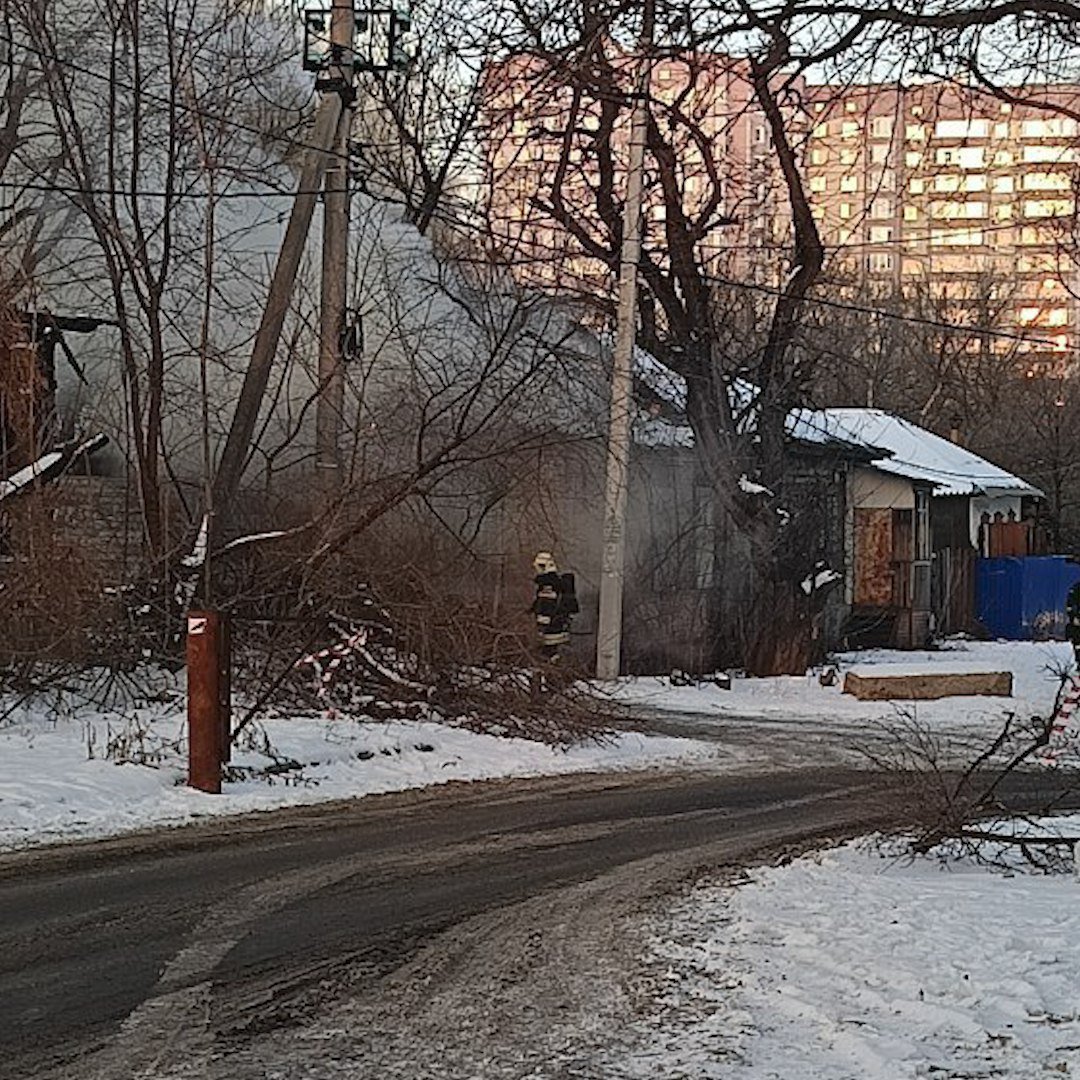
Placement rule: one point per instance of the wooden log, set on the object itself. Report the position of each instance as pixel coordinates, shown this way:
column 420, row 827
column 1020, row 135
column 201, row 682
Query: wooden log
column 928, row 687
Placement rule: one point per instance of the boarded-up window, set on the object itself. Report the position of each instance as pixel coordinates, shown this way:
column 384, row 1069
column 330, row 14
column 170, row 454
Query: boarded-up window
column 873, row 557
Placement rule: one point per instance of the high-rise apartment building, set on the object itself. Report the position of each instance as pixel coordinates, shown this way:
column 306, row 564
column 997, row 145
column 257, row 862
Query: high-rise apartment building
column 550, row 138
column 956, row 195
column 937, row 191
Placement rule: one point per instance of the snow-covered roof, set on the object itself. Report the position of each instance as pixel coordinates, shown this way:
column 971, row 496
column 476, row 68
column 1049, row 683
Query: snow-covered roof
column 908, row 450
column 897, row 446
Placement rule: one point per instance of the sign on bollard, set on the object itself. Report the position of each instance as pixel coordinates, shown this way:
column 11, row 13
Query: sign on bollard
column 204, row 701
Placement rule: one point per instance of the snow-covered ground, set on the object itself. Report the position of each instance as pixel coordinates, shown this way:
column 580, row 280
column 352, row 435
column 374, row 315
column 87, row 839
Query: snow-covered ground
column 59, row 776
column 851, row 964
column 1035, row 667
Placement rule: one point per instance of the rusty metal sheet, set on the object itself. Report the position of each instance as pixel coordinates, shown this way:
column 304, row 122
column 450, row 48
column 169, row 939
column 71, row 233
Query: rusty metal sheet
column 873, row 557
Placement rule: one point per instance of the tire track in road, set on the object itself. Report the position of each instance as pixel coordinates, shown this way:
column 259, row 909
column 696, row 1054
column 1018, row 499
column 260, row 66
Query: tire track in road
column 304, row 913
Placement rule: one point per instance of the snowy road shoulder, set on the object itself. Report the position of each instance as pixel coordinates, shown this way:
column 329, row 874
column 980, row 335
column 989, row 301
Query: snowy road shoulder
column 1036, row 668
column 59, row 779
column 852, row 964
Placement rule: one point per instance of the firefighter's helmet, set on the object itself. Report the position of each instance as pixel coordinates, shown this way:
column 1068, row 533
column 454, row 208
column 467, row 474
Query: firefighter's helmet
column 544, row 563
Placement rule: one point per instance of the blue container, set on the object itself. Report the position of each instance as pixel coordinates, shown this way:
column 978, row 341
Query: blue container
column 1023, row 599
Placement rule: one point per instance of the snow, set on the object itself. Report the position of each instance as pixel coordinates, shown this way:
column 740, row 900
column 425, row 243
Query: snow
column 818, row 580
column 911, row 451
column 898, row 446
column 29, row 473
column 197, row 556
column 1035, row 667
column 853, row 964
column 751, row 487
column 59, row 778
column 57, row 784
column 254, row 538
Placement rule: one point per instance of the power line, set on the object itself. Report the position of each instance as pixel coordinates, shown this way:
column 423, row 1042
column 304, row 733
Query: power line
column 894, row 316
column 178, row 106
column 132, row 193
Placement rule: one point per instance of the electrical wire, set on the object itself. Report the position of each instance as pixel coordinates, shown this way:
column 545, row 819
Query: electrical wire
column 178, row 106
column 131, row 193
column 894, row 316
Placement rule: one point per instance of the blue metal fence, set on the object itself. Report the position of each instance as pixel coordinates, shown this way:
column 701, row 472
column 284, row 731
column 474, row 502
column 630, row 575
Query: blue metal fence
column 1021, row 599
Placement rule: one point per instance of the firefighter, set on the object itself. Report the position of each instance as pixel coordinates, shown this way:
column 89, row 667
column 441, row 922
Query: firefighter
column 555, row 604
column 1072, row 620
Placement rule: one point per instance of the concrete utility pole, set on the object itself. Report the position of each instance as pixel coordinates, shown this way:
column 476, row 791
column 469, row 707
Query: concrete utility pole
column 238, row 443
column 609, row 625
column 335, row 256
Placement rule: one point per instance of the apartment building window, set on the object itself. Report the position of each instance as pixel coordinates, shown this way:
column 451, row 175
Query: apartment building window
column 1003, row 157
column 851, row 106
column 881, row 208
column 886, row 180
column 913, row 159
column 850, row 129
column 952, row 211
column 879, row 153
column 1001, row 131
column 955, row 237
column 817, row 184
column 845, row 210
column 880, row 262
column 1042, row 208
column 917, row 185
column 915, row 132
column 1038, row 181
column 962, row 129
column 848, row 156
column 966, row 157
column 819, row 155
column 881, row 127
column 911, row 213
column 1004, row 212
column 1053, row 128
column 1042, row 153
column 759, row 134
column 821, row 131
column 881, row 234
column 1029, row 314
column 849, row 183
column 1057, row 317
column 1003, row 185
column 953, row 182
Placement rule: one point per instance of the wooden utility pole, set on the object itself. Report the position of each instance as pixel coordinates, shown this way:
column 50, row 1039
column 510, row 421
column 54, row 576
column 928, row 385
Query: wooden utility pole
column 609, row 625
column 335, row 258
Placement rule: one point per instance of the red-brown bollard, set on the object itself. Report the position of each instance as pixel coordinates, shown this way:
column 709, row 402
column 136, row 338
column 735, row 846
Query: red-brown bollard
column 204, row 701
